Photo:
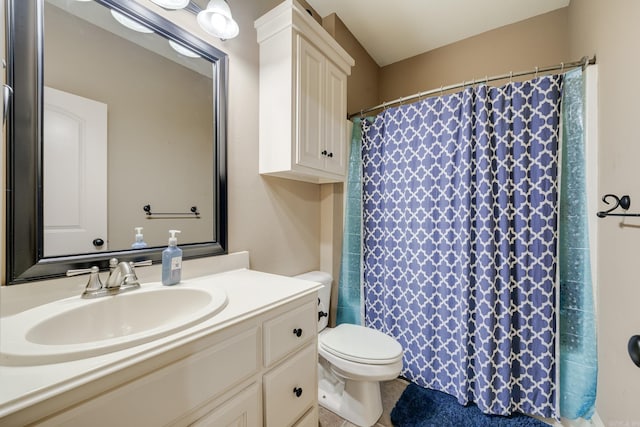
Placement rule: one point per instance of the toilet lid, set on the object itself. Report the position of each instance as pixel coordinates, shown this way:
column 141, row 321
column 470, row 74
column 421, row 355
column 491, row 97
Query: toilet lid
column 361, row 344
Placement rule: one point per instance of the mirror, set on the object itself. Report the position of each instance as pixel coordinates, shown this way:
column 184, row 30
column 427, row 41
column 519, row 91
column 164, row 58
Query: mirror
column 154, row 114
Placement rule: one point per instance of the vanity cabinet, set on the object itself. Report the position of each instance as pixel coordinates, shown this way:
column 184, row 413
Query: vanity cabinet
column 261, row 371
column 303, row 97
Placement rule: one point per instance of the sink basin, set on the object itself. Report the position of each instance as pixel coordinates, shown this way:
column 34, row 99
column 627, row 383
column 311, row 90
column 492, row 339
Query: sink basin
column 76, row 328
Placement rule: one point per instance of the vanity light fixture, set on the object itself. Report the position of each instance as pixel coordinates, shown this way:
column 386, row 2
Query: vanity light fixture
column 183, row 50
column 130, row 23
column 216, row 20
column 171, row 4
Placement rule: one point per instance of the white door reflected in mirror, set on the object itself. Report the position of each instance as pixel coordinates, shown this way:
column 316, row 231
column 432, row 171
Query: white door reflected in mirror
column 75, row 174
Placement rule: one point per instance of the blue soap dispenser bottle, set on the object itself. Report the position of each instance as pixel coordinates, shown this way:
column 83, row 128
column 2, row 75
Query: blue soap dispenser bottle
column 172, row 261
column 139, row 243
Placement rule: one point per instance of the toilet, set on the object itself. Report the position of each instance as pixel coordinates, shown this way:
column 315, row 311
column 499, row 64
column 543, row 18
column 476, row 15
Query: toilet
column 352, row 361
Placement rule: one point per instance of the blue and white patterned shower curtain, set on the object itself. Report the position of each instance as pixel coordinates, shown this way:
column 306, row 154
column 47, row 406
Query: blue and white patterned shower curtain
column 460, row 236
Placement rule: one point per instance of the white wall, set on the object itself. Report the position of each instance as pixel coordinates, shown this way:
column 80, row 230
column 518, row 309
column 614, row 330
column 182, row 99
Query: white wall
column 610, row 30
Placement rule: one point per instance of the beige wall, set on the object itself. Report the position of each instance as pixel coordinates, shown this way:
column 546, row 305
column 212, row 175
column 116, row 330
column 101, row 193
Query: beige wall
column 538, row 41
column 276, row 220
column 610, row 30
column 363, row 83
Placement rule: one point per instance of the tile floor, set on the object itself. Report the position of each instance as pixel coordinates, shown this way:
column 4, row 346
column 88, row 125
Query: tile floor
column 390, row 390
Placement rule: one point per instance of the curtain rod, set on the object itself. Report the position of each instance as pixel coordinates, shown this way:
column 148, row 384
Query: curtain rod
column 562, row 66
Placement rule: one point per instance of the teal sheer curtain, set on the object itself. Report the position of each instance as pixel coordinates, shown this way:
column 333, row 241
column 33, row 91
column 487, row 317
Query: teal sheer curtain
column 350, row 280
column 578, row 351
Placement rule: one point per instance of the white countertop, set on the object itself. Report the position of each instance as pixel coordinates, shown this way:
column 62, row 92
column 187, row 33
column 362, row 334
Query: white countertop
column 248, row 292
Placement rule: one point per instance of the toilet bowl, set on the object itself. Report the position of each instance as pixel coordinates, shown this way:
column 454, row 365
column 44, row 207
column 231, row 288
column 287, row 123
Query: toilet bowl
column 352, row 361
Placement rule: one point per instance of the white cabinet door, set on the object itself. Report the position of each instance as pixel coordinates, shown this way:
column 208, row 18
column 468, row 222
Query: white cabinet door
column 291, row 388
column 310, row 108
column 334, row 119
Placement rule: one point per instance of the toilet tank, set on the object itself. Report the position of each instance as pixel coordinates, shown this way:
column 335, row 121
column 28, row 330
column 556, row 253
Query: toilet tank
column 324, row 294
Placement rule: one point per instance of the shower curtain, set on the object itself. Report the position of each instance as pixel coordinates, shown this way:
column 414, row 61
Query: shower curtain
column 578, row 350
column 460, row 210
column 349, row 307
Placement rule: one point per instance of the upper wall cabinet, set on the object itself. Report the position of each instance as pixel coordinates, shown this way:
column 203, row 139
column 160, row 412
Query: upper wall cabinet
column 303, row 97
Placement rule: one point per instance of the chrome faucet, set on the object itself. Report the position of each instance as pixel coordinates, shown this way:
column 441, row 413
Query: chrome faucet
column 122, row 278
column 120, row 275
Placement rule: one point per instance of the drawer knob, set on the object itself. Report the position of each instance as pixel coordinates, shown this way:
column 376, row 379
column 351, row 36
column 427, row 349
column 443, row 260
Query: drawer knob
column 323, row 152
column 297, row 332
column 297, row 391
column 330, row 155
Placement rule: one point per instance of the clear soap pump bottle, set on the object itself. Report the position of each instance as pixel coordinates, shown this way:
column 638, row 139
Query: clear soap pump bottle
column 139, row 243
column 172, row 261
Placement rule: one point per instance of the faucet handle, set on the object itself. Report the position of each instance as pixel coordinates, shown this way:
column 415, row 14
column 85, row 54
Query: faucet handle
column 81, row 271
column 94, row 282
column 141, row 263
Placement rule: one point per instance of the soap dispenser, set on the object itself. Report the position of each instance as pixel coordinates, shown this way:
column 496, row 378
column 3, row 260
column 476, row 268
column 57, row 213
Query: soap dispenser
column 172, row 261
column 139, row 243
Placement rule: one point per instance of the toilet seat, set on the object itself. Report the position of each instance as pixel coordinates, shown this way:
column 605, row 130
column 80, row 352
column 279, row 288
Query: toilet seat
column 360, row 344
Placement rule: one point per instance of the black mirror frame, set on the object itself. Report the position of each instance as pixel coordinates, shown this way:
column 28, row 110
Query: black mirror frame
column 24, row 227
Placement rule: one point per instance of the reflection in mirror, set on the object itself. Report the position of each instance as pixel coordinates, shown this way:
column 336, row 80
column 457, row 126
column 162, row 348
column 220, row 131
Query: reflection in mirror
column 132, row 114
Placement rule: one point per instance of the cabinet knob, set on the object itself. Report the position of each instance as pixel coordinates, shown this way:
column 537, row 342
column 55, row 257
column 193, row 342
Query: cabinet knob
column 323, row 152
column 297, row 332
column 330, row 155
column 297, row 391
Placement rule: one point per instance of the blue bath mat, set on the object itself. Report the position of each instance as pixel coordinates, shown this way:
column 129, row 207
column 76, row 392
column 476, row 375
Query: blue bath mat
column 421, row 407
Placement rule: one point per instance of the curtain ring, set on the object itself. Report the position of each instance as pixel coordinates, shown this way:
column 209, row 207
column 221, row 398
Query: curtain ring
column 486, row 80
column 510, row 76
column 536, row 74
column 562, row 67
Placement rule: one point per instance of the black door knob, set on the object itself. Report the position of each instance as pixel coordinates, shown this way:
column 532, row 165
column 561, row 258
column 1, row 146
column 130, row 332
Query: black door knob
column 98, row 242
column 634, row 349
column 297, row 391
column 297, row 332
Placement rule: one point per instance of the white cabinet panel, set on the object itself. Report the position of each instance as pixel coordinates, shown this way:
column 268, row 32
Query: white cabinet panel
column 310, row 105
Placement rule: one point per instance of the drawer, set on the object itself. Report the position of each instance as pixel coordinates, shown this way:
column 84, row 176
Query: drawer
column 291, row 388
column 289, row 331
